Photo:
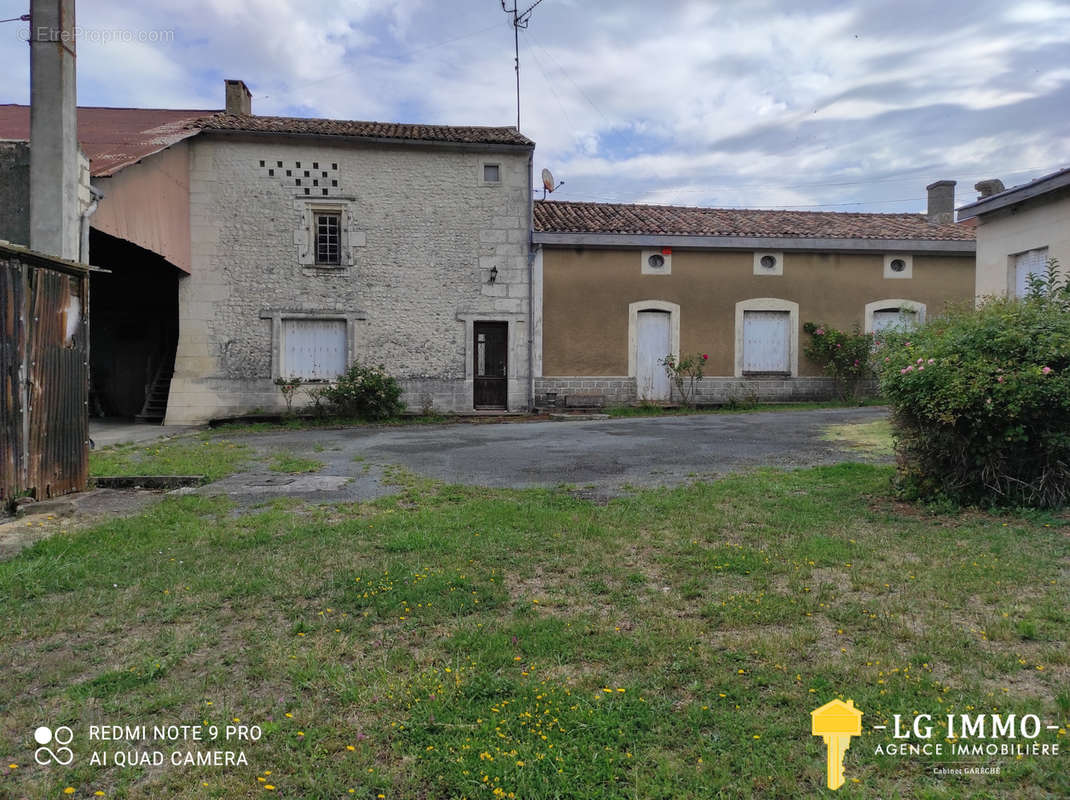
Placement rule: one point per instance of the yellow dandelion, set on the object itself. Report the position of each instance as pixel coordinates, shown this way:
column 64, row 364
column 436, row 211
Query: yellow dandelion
column 350, row 747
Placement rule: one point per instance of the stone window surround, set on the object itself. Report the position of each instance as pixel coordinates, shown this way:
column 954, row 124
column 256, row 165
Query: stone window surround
column 769, row 304
column 644, row 262
column 305, row 236
column 908, row 271
column 778, row 268
column 278, row 315
column 633, row 329
column 882, row 305
column 488, row 162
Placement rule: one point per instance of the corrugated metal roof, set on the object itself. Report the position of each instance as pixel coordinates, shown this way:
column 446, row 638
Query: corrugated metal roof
column 114, row 138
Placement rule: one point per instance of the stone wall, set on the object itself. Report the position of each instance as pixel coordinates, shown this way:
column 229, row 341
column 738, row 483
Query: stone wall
column 620, row 391
column 421, row 232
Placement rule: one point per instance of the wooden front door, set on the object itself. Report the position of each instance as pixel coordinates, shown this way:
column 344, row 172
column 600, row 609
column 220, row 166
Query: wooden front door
column 491, row 364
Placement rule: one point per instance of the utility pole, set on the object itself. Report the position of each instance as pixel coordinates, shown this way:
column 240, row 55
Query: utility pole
column 520, row 20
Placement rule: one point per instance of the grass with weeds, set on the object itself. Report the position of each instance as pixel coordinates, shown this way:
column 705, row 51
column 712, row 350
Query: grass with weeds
column 201, row 454
column 289, row 462
column 450, row 642
column 866, row 438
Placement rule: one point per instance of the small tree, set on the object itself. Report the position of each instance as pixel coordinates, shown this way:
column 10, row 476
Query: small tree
column 844, row 356
column 288, row 387
column 685, row 374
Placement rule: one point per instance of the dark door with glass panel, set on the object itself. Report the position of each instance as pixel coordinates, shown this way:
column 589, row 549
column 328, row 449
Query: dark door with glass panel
column 491, row 343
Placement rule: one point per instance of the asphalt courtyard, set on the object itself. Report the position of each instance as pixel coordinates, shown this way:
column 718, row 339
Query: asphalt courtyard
column 600, row 458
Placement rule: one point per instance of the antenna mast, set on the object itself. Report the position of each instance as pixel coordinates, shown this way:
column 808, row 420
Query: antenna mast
column 520, row 20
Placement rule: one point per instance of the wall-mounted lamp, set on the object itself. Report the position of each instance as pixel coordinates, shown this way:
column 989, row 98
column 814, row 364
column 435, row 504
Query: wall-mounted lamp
column 493, row 275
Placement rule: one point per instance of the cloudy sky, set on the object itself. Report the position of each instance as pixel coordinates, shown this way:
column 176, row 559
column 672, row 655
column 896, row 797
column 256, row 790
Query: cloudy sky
column 829, row 105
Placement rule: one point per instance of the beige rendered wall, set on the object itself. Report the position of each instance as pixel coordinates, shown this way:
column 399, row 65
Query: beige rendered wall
column 148, row 204
column 1042, row 222
column 586, row 294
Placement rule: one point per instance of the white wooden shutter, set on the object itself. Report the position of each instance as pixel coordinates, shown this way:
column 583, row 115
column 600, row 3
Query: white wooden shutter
column 895, row 318
column 313, row 349
column 1031, row 262
column 766, row 341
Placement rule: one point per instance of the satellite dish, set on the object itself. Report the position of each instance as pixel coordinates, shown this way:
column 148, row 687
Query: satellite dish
column 548, row 180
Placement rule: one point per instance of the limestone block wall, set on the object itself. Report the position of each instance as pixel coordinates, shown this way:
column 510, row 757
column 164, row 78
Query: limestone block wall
column 421, row 231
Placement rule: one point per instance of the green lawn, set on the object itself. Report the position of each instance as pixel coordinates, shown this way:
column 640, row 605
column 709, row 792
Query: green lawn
column 452, row 642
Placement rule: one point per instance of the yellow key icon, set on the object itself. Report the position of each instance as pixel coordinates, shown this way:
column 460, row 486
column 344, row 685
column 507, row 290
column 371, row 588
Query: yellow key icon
column 836, row 722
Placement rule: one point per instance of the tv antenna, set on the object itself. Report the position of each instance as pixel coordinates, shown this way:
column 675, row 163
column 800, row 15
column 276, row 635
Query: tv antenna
column 520, row 20
column 548, row 185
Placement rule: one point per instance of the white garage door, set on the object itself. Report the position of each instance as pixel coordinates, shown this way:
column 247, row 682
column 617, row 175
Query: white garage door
column 313, row 349
column 766, row 341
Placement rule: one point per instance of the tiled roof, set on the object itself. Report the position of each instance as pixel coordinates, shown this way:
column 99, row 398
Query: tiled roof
column 464, row 134
column 553, row 216
column 113, row 138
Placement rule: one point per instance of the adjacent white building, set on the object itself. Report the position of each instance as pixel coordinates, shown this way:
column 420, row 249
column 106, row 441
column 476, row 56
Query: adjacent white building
column 1018, row 230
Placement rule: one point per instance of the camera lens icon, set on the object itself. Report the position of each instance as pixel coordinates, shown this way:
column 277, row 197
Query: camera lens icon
column 62, row 736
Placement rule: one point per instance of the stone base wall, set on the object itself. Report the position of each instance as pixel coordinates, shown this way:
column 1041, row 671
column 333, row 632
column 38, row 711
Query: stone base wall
column 621, row 391
column 555, row 392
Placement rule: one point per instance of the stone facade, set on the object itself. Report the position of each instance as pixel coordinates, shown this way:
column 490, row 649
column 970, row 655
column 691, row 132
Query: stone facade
column 421, row 231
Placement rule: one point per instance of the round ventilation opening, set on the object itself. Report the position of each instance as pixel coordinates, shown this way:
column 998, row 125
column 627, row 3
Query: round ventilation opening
column 768, row 262
column 656, row 261
column 898, row 265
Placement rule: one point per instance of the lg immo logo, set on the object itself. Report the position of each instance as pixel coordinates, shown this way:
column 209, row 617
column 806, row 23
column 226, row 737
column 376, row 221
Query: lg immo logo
column 836, row 722
column 62, row 737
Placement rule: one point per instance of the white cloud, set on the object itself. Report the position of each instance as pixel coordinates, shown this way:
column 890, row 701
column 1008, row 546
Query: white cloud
column 673, row 101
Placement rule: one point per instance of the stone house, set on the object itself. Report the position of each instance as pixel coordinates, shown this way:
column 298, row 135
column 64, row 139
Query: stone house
column 1018, row 230
column 620, row 287
column 244, row 248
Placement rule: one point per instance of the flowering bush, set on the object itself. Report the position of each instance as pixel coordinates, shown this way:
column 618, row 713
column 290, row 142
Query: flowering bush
column 365, row 392
column 288, row 387
column 685, row 373
column 981, row 403
column 844, row 356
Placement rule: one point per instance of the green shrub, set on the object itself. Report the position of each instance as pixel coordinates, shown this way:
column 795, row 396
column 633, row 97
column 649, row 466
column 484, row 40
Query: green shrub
column 844, row 356
column 364, row 392
column 981, row 403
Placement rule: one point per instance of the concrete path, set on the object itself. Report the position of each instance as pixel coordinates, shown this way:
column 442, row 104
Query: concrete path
column 603, row 457
column 106, row 432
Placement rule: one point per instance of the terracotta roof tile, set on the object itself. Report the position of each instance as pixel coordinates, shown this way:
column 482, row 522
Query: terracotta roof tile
column 466, row 134
column 553, row 216
column 113, row 137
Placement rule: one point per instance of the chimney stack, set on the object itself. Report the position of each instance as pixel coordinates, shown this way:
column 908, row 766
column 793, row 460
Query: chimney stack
column 239, row 98
column 988, row 188
column 941, row 202
column 54, row 218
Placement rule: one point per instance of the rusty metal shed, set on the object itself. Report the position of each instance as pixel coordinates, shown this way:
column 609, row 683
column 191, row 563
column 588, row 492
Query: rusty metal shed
column 44, row 374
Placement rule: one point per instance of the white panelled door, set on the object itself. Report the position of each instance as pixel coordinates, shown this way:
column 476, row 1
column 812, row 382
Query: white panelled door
column 653, row 343
column 766, row 341
column 313, row 349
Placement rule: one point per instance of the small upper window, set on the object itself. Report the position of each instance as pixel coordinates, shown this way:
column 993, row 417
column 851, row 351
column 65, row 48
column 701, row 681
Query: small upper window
column 328, row 239
column 492, row 173
column 656, row 261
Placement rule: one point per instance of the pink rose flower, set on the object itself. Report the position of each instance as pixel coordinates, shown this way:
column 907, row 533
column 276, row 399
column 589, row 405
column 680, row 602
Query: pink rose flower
column 932, row 360
column 1045, row 370
column 1000, row 379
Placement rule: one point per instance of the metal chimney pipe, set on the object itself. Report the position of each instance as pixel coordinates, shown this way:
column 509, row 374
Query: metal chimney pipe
column 54, row 217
